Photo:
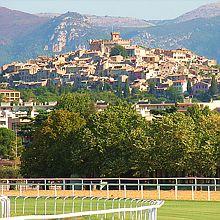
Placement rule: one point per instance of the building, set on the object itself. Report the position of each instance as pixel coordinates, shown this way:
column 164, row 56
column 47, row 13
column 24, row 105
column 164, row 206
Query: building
column 179, row 55
column 10, row 95
column 105, row 46
column 180, row 85
column 200, row 87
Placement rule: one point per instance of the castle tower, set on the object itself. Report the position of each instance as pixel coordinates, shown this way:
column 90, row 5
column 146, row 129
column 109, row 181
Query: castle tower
column 115, row 36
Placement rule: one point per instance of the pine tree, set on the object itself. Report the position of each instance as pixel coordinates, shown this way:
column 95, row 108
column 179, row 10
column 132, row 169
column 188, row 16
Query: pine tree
column 119, row 88
column 126, row 89
column 213, row 90
column 189, row 87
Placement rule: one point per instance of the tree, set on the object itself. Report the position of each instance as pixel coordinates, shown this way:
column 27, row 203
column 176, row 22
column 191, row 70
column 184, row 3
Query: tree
column 77, row 102
column 172, row 138
column 7, row 141
column 118, row 50
column 213, row 89
column 196, row 112
column 203, row 96
column 189, row 87
column 9, row 172
column 126, row 89
column 205, row 157
column 108, row 97
column 27, row 95
column 52, row 148
column 109, row 141
column 26, row 130
column 119, row 89
column 152, row 88
column 174, row 95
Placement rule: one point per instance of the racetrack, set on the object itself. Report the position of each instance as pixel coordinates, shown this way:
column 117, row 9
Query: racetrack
column 198, row 195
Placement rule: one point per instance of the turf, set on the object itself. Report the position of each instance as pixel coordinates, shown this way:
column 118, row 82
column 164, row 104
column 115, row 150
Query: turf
column 189, row 210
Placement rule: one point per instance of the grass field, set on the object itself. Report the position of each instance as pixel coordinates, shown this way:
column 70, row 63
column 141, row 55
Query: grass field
column 172, row 210
column 189, row 210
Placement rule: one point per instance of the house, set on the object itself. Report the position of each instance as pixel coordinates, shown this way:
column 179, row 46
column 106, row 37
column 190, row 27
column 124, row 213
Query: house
column 151, row 58
column 200, row 86
column 180, row 85
column 135, row 51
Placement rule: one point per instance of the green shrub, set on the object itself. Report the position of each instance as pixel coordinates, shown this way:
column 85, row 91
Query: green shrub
column 9, row 172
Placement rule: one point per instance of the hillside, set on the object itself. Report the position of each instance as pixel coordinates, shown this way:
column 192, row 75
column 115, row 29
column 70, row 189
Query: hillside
column 48, row 15
column 63, row 33
column 109, row 21
column 205, row 11
column 15, row 23
column 200, row 35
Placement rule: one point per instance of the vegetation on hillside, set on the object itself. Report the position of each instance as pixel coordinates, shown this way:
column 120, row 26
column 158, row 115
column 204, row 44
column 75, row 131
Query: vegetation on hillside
column 118, row 50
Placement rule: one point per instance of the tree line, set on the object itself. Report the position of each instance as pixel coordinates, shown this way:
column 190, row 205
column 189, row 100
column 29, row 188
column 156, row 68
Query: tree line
column 77, row 141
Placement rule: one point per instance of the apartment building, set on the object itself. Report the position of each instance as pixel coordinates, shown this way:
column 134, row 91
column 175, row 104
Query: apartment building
column 10, row 95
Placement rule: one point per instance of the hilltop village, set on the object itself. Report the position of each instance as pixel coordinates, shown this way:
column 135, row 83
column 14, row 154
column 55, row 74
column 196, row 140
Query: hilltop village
column 113, row 63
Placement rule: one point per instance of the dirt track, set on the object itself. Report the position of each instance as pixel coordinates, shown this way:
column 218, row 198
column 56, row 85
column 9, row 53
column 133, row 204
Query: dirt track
column 150, row 194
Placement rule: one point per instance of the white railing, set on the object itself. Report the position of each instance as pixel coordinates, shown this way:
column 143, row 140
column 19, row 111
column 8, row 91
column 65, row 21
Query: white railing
column 5, row 206
column 139, row 213
column 142, row 210
column 144, row 191
column 117, row 180
column 144, row 188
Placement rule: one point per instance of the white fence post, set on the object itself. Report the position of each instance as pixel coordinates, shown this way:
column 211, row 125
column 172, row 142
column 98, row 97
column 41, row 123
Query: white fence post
column 142, row 191
column 125, row 191
column 5, row 203
column 176, row 192
column 209, row 194
column 193, row 196
column 158, row 191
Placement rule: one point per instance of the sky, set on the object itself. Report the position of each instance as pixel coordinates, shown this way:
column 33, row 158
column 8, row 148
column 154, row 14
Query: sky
column 144, row 9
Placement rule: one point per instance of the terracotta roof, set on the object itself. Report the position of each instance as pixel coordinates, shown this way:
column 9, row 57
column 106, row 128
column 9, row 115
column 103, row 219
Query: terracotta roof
column 7, row 90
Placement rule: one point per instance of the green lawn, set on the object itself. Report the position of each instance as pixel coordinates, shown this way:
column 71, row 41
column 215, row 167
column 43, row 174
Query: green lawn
column 189, row 210
column 172, row 210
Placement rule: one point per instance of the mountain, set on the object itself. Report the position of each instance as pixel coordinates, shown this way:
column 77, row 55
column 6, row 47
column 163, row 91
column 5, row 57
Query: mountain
column 15, row 23
column 200, row 35
column 48, row 15
column 205, row 11
column 109, row 21
column 24, row 36
column 67, row 32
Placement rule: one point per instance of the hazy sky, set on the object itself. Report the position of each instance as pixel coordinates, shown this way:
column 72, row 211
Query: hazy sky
column 146, row 9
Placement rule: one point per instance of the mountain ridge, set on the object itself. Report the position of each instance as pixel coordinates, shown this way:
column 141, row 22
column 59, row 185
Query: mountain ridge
column 47, row 35
column 205, row 11
column 21, row 24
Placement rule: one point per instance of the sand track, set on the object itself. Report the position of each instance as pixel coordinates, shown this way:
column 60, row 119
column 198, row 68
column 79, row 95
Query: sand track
column 145, row 194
